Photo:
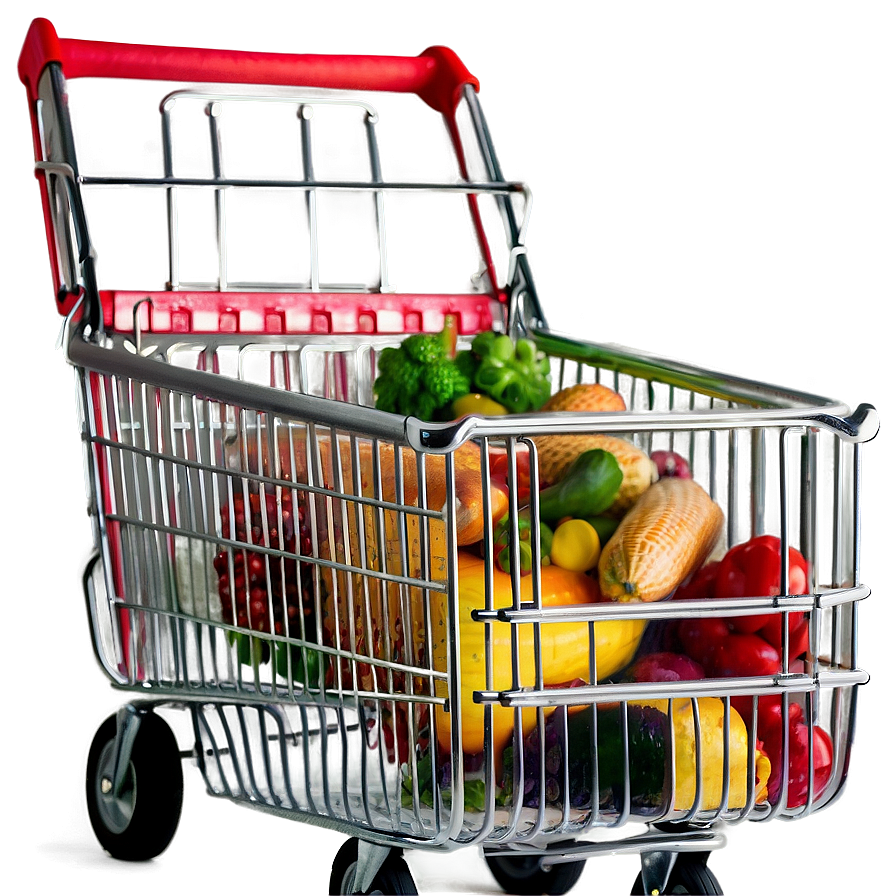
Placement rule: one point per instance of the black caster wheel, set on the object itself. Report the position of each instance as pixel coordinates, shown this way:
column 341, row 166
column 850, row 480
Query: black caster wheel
column 521, row 875
column 689, row 876
column 139, row 822
column 392, row 878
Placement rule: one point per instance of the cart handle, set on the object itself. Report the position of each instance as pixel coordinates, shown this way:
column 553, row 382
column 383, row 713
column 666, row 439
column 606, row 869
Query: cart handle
column 437, row 75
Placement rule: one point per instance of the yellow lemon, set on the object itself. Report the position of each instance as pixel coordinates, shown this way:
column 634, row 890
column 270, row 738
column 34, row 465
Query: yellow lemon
column 575, row 546
column 475, row 403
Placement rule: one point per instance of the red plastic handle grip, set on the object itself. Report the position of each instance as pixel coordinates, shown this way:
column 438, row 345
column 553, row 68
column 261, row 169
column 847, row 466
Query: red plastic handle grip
column 437, row 75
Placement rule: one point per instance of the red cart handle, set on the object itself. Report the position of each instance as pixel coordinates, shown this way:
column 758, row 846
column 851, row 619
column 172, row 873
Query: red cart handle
column 437, row 75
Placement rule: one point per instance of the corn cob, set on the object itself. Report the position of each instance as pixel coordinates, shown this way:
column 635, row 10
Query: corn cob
column 556, row 453
column 666, row 536
column 585, row 397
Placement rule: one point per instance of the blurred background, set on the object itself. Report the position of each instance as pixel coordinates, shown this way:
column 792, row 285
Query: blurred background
column 713, row 183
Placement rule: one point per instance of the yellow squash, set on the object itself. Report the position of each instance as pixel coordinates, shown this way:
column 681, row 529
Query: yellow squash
column 711, row 713
column 565, row 647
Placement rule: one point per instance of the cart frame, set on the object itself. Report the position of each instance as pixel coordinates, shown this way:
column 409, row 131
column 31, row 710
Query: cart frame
column 154, row 429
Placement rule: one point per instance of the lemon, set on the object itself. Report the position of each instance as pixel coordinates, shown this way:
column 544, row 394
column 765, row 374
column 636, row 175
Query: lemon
column 576, row 546
column 474, row 403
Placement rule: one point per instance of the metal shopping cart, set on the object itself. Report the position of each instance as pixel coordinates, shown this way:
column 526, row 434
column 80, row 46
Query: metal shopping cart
column 301, row 572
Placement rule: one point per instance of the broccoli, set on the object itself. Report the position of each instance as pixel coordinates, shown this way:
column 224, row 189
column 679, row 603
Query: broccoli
column 419, row 378
column 515, row 374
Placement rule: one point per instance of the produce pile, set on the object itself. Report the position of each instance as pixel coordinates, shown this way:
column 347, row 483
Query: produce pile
column 613, row 524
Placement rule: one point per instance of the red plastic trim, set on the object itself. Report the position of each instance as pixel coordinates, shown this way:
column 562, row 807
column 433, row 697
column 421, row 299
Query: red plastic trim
column 437, row 75
column 41, row 47
column 295, row 313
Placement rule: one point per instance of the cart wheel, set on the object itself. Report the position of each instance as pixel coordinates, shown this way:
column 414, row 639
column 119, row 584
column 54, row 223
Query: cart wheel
column 689, row 876
column 393, row 877
column 522, row 875
column 140, row 822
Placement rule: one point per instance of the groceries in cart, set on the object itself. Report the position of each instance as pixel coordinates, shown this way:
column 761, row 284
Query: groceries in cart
column 608, row 522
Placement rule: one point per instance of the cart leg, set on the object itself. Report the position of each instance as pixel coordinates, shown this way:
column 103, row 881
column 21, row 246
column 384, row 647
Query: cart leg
column 127, row 726
column 656, row 867
column 371, row 857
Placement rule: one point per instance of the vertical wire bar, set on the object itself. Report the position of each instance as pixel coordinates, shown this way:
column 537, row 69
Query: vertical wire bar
column 170, row 198
column 856, row 450
column 288, row 738
column 164, row 542
column 306, row 759
column 306, row 113
column 837, row 574
column 376, row 176
column 404, row 558
column 698, row 758
column 170, row 517
column 133, row 575
column 213, row 110
column 247, row 752
column 758, row 482
column 192, row 633
column 784, row 469
column 726, row 756
column 733, row 488
column 809, row 535
column 626, row 800
column 207, row 485
column 95, row 401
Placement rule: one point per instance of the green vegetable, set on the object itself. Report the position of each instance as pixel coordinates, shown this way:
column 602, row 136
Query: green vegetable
column 604, row 525
column 255, row 651
column 474, row 786
column 572, row 734
column 515, row 374
column 420, row 378
column 587, row 489
column 524, row 526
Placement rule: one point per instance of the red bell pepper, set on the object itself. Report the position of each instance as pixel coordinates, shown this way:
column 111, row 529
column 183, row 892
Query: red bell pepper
column 702, row 584
column 798, row 623
column 799, row 733
column 498, row 468
column 702, row 637
column 768, row 712
column 753, row 569
column 743, row 656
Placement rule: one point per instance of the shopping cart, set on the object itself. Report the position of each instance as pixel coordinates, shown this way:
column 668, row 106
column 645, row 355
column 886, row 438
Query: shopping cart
column 294, row 567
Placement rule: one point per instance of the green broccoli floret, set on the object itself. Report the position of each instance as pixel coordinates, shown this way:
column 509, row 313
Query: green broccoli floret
column 419, row 378
column 425, row 348
column 445, row 382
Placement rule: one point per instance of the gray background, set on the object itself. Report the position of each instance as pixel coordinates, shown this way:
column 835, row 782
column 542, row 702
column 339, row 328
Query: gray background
column 713, row 182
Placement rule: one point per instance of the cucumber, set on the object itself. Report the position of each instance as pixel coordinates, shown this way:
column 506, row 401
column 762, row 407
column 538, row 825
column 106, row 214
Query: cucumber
column 587, row 489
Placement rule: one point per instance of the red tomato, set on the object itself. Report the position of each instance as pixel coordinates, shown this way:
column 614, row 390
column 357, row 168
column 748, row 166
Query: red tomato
column 744, row 655
column 702, row 637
